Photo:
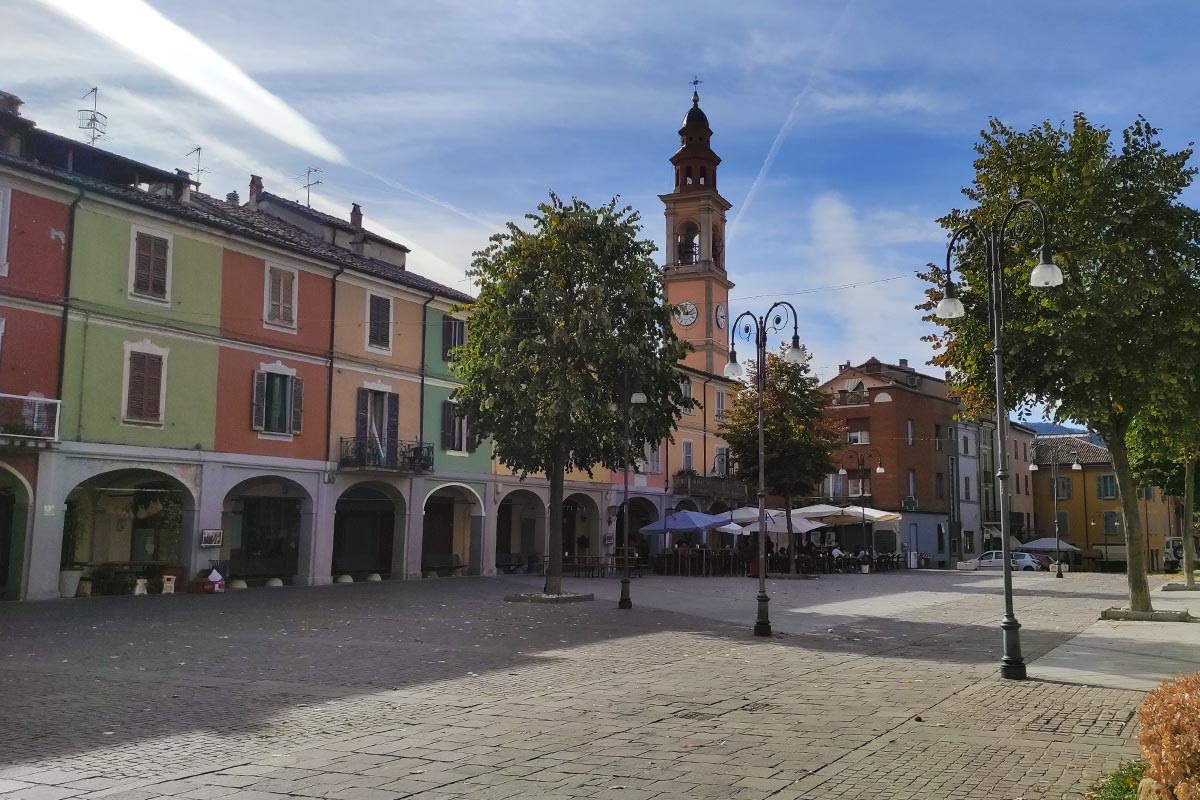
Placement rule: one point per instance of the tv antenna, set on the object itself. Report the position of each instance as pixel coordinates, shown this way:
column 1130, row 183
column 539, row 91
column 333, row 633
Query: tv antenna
column 90, row 119
column 196, row 152
column 308, row 184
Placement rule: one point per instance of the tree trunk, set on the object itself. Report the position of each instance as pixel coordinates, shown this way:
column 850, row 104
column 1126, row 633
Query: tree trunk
column 1185, row 530
column 787, row 509
column 1135, row 540
column 554, row 568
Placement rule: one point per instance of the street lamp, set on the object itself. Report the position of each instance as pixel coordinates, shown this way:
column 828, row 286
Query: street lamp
column 630, row 399
column 860, row 458
column 759, row 328
column 1045, row 274
column 1033, row 467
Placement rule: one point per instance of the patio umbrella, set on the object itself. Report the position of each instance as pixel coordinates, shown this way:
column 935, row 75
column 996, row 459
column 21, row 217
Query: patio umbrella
column 685, row 522
column 1049, row 545
column 750, row 514
column 779, row 525
column 816, row 511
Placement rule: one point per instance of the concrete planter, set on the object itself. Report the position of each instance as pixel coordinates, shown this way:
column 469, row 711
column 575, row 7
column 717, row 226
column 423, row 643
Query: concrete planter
column 68, row 582
column 1125, row 615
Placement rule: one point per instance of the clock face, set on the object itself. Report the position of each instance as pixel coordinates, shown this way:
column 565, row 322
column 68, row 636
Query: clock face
column 722, row 316
column 686, row 313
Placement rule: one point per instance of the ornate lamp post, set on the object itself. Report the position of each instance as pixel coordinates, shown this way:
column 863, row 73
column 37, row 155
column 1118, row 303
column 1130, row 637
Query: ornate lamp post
column 759, row 328
column 1045, row 274
column 1033, row 467
column 860, row 458
column 629, row 400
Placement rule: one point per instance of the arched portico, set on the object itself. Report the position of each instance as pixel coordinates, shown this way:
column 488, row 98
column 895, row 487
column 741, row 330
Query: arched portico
column 16, row 496
column 582, row 525
column 452, row 531
column 127, row 524
column 687, row 504
column 265, row 519
column 520, row 532
column 368, row 531
column 642, row 512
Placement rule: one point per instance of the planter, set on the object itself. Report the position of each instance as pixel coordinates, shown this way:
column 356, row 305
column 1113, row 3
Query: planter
column 68, row 582
column 865, row 569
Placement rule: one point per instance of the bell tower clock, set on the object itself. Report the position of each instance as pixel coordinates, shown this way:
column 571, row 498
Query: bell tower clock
column 695, row 276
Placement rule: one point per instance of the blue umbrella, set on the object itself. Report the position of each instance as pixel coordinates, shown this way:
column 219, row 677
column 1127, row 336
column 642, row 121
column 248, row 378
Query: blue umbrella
column 685, row 522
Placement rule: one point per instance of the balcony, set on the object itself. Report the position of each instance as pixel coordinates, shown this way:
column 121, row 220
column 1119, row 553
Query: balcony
column 717, row 487
column 28, row 421
column 851, row 398
column 370, row 454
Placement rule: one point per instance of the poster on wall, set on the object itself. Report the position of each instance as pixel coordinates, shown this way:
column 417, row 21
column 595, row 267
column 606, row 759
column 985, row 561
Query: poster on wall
column 211, row 537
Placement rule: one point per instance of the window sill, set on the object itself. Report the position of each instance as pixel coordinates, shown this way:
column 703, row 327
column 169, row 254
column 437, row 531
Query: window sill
column 282, row 327
column 457, row 453
column 142, row 423
column 146, row 298
column 383, row 351
column 277, row 437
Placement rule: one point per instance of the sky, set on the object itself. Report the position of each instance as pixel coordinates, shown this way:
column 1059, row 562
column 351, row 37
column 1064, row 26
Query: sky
column 845, row 126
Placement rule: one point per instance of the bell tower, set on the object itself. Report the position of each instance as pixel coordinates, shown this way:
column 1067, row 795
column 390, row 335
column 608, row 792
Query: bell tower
column 695, row 267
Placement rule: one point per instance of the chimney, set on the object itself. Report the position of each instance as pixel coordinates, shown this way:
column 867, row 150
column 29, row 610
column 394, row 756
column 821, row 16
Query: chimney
column 11, row 103
column 256, row 187
column 233, row 199
column 355, row 215
column 183, row 189
column 904, row 362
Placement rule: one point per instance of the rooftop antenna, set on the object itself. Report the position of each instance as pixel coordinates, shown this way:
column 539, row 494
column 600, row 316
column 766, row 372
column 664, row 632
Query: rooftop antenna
column 308, row 184
column 91, row 120
column 196, row 152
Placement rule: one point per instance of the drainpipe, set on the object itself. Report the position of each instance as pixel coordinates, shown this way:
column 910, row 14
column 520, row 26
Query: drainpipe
column 332, row 350
column 704, row 421
column 62, row 343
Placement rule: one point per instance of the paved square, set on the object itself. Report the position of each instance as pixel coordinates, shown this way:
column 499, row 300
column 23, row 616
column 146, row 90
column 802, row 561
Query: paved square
column 874, row 686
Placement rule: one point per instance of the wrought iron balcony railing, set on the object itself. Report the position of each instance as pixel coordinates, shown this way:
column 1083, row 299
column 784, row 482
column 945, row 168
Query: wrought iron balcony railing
column 28, row 420
column 715, row 486
column 369, row 453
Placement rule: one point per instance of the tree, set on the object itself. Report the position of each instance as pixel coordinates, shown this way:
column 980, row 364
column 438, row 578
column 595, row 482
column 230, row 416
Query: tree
column 799, row 438
column 1123, row 327
column 1164, row 448
column 562, row 309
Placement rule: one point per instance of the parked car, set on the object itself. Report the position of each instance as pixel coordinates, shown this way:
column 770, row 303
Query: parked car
column 1021, row 561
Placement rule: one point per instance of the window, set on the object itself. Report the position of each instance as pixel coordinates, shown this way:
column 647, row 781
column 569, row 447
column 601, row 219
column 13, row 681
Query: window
column 151, row 278
column 1149, row 492
column 1110, row 523
column 688, row 459
column 281, row 297
column 939, row 486
column 686, row 387
column 968, row 541
column 1026, row 483
column 859, row 487
column 379, row 322
column 1062, row 520
column 1065, row 487
column 144, row 387
column 454, row 334
column 941, row 538
column 1, row 341
column 1106, row 487
column 1028, row 522
column 910, row 431
column 5, row 218
column 937, row 437
column 1025, row 451
column 966, row 487
column 455, row 435
column 377, row 416
column 720, row 404
column 912, row 483
column 966, row 447
column 721, row 462
column 653, row 460
column 278, row 405
column 858, row 433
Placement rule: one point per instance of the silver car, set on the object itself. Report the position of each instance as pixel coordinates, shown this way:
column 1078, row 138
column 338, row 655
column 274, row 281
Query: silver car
column 1020, row 561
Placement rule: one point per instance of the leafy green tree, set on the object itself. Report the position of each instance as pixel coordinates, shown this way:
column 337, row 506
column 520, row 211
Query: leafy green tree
column 563, row 308
column 799, row 439
column 1164, row 449
column 1123, row 327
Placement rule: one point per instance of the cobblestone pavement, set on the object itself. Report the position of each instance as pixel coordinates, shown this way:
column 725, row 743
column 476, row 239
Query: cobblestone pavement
column 878, row 686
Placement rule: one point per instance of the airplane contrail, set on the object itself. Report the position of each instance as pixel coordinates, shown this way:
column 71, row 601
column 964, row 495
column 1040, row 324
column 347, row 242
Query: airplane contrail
column 788, row 122
column 141, row 30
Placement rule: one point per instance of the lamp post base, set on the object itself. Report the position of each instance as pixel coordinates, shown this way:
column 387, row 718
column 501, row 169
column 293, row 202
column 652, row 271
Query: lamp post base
column 762, row 625
column 1012, row 665
column 1058, row 574
column 625, row 601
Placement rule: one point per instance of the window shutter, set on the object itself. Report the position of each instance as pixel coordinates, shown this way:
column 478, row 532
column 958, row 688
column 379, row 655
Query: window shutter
column 153, row 393
column 297, row 404
column 380, row 323
column 258, row 408
column 360, row 414
column 447, row 337
column 142, row 267
column 447, row 425
column 275, row 283
column 136, row 390
column 393, row 418
column 158, row 267
column 470, row 440
column 287, row 296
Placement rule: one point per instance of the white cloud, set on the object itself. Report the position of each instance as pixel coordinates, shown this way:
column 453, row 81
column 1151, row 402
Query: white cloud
column 147, row 34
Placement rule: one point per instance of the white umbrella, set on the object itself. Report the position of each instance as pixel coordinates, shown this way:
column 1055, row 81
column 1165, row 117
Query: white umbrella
column 816, row 512
column 1049, row 544
column 779, row 525
column 750, row 514
column 872, row 514
column 732, row 527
